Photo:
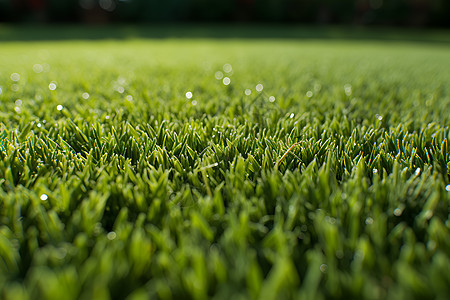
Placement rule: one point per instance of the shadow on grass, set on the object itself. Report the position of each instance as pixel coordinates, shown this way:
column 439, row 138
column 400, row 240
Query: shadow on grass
column 22, row 32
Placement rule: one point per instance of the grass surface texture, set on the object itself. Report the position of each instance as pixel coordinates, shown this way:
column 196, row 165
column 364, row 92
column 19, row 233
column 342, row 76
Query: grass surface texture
column 224, row 168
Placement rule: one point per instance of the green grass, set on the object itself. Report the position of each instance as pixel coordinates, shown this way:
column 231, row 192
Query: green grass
column 133, row 190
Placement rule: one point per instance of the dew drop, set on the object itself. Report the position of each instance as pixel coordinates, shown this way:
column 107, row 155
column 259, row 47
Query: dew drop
column 46, row 68
column 226, row 81
column 52, row 86
column 85, row 96
column 323, row 268
column 348, row 89
column 37, row 68
column 227, row 68
column 317, row 87
column 369, row 221
column 447, row 188
column 189, row 95
column 15, row 77
column 111, row 235
column 17, row 109
column 397, row 212
column 129, row 98
column 309, row 94
column 59, row 107
column 218, row 75
column 248, row 92
column 291, row 115
column 44, row 197
column 18, row 102
column 271, row 99
column 194, row 102
column 259, row 87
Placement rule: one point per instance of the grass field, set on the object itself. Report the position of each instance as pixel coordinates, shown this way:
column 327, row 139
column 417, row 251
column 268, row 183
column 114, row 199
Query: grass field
column 224, row 168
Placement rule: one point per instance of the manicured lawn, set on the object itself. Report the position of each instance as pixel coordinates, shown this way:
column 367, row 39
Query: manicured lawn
column 227, row 168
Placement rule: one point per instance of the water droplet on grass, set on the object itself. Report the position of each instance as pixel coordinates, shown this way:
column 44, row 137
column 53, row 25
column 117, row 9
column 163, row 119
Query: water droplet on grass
column 15, row 87
column 111, row 235
column 227, row 68
column 121, row 80
column 271, row 99
column 44, row 197
column 129, row 98
column 248, row 92
column 259, row 87
column 46, row 68
column 317, row 87
column 18, row 102
column 120, row 89
column 369, row 221
column 85, row 96
column 291, row 115
column 447, row 188
column 226, row 81
column 52, row 86
column 189, row 95
column 1, row 90
column 309, row 94
column 59, row 107
column 218, row 75
column 194, row 102
column 17, row 109
column 39, row 125
column 348, row 89
column 397, row 212
column 15, row 77
column 37, row 68
column 323, row 268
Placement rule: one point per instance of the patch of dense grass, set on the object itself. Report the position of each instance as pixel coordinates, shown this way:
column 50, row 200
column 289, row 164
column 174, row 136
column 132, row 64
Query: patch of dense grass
column 116, row 183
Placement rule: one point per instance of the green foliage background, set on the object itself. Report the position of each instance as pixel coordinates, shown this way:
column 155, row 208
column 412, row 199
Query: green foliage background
column 134, row 190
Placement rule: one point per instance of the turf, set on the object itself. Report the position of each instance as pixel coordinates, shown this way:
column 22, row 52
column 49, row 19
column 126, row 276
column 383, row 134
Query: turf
column 320, row 171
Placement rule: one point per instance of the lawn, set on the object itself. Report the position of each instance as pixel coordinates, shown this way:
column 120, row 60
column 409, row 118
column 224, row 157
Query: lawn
column 308, row 166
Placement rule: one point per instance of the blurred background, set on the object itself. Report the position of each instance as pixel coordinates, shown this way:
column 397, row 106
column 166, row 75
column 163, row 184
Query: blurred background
column 402, row 13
